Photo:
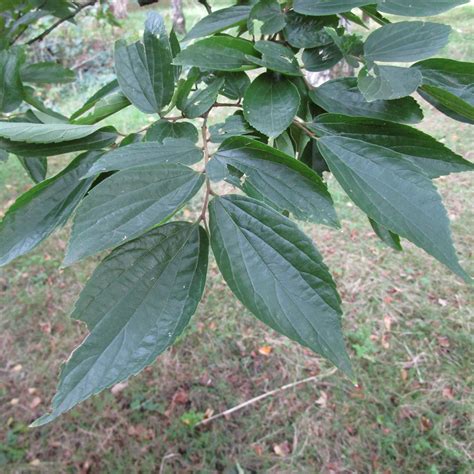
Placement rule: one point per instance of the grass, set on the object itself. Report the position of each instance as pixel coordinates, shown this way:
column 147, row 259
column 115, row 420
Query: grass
column 408, row 324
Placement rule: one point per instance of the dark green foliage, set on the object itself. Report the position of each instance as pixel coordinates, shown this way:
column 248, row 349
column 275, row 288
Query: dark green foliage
column 280, row 138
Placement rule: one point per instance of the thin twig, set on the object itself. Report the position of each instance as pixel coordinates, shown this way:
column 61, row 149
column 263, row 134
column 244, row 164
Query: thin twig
column 306, row 130
column 266, row 395
column 223, row 104
column 206, row 159
column 46, row 32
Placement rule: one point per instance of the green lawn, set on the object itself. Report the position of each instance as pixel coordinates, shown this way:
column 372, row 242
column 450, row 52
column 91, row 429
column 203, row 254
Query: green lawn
column 408, row 323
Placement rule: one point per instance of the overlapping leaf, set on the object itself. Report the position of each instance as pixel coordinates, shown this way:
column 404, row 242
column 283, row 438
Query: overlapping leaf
column 393, row 192
column 269, row 175
column 172, row 151
column 43, row 208
column 434, row 158
column 138, row 301
column 127, row 204
column 271, row 104
column 278, row 274
column 342, row 96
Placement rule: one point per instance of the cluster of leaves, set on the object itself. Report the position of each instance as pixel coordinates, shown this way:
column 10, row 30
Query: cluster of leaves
column 274, row 148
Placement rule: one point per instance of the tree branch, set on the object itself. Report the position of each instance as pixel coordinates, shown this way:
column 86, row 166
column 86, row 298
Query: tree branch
column 46, row 32
column 265, row 395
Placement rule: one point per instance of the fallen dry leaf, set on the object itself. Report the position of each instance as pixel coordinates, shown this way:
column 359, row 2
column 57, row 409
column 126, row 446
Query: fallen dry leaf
column 35, row 402
column 119, row 387
column 282, row 449
column 448, row 393
column 443, row 341
column 265, row 350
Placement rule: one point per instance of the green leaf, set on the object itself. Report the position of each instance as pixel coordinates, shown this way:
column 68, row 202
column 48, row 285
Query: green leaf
column 95, row 141
column 269, row 175
column 200, row 101
column 321, row 58
column 218, row 53
column 235, row 84
column 422, row 150
column 271, row 104
column 11, row 89
column 46, row 206
column 36, row 167
column 278, row 274
column 389, row 238
column 406, row 41
column 234, row 125
column 269, row 13
column 172, row 151
column 127, row 204
column 44, row 133
column 136, row 304
column 104, row 108
column 163, row 129
column 418, row 7
column 220, row 20
column 388, row 82
column 46, row 73
column 144, row 70
column 450, row 84
column 326, row 7
column 394, row 192
column 342, row 96
column 276, row 57
column 109, row 88
column 306, row 32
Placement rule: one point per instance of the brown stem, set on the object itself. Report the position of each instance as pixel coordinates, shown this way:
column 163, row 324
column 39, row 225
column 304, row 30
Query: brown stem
column 306, row 130
column 223, row 104
column 46, row 32
column 206, row 160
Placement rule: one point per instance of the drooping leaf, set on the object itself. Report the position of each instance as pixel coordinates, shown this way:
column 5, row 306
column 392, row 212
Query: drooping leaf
column 144, row 70
column 36, row 167
column 434, row 158
column 418, row 7
column 163, row 129
column 450, row 84
column 279, row 180
column 44, row 133
column 326, row 7
column 137, row 302
column 95, row 141
column 271, row 104
column 406, row 41
column 200, row 101
column 342, row 96
column 218, row 53
column 394, row 192
column 278, row 274
column 129, row 203
column 276, row 57
column 305, row 32
column 47, row 72
column 389, row 238
column 172, row 151
column 220, row 20
column 104, row 108
column 269, row 13
column 11, row 89
column 109, row 88
column 388, row 82
column 43, row 208
column 321, row 58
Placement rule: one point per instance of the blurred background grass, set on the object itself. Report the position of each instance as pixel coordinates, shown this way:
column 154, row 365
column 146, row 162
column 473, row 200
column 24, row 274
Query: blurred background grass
column 408, row 324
